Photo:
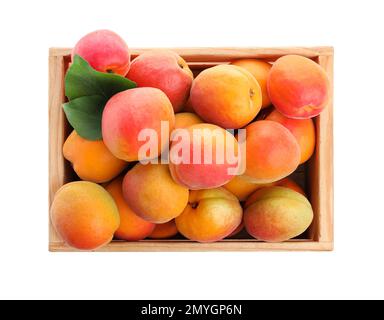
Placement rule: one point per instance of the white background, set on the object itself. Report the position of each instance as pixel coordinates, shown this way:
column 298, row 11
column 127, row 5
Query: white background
column 354, row 270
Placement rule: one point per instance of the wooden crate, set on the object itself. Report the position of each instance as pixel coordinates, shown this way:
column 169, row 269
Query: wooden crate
column 317, row 174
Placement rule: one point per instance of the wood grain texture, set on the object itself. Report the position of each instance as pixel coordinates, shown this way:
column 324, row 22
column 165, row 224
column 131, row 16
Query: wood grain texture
column 319, row 169
column 225, row 54
column 57, row 132
column 189, row 246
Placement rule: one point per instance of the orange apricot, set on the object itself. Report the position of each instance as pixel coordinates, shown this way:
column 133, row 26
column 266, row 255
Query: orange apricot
column 302, row 129
column 260, row 70
column 84, row 215
column 132, row 227
column 91, row 160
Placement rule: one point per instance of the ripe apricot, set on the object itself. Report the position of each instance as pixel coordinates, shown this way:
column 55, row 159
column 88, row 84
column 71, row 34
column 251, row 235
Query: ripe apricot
column 132, row 227
column 84, row 215
column 226, row 95
column 298, row 87
column 277, row 214
column 91, row 160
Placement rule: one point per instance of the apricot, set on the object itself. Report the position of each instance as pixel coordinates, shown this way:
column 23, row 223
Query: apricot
column 84, row 215
column 241, row 187
column 260, row 70
column 132, row 227
column 105, row 51
column 211, row 215
column 289, row 183
column 298, row 87
column 151, row 193
column 302, row 129
column 91, row 160
column 226, row 95
column 272, row 152
column 129, row 112
column 186, row 119
column 165, row 70
column 277, row 214
column 203, row 162
column 164, row 230
column 286, row 183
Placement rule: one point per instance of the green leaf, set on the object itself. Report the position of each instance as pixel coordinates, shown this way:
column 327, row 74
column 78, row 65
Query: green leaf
column 84, row 115
column 82, row 80
column 88, row 91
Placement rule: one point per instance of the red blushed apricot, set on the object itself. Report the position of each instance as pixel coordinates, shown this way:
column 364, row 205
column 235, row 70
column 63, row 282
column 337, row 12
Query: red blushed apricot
column 277, row 214
column 302, row 129
column 164, row 230
column 194, row 166
column 127, row 113
column 260, row 70
column 211, row 215
column 132, row 227
column 165, row 70
column 272, row 152
column 105, row 51
column 226, row 95
column 298, row 87
column 84, row 215
column 152, row 193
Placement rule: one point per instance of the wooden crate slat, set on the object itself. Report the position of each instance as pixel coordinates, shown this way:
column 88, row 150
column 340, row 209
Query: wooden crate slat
column 189, row 246
column 326, row 161
column 224, row 54
column 57, row 175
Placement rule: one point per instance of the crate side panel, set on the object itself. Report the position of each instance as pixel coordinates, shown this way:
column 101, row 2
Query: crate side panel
column 57, row 131
column 321, row 167
column 188, row 246
column 225, row 54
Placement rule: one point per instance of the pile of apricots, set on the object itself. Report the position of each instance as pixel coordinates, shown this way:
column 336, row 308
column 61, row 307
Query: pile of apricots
column 118, row 197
